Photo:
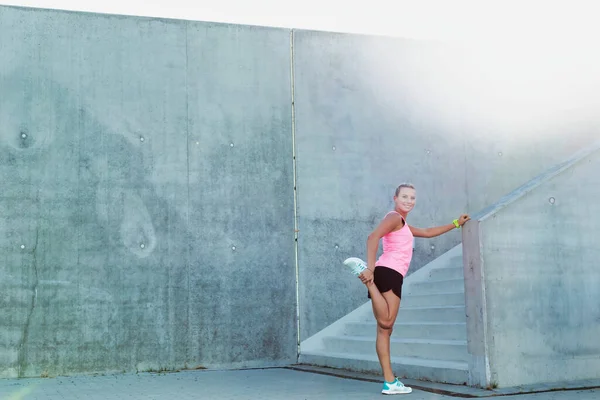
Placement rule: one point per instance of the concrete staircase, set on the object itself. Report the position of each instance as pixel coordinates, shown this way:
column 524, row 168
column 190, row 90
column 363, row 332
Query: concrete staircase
column 429, row 341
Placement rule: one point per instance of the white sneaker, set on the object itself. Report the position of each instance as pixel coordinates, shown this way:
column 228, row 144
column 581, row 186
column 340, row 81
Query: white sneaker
column 395, row 387
column 355, row 265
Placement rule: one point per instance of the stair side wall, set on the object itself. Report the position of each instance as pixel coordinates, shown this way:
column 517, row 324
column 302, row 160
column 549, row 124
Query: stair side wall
column 539, row 283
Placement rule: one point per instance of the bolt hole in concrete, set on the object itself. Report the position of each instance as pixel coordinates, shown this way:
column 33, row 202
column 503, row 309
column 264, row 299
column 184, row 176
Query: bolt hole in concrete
column 551, row 200
column 24, row 140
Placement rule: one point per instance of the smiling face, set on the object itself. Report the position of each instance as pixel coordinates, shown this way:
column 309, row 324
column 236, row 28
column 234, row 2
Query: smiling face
column 405, row 199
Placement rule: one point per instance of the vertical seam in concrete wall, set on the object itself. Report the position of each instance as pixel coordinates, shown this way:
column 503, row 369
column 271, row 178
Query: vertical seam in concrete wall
column 187, row 158
column 292, row 84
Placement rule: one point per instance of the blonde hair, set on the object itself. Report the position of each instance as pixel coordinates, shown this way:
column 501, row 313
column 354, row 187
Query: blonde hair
column 404, row 185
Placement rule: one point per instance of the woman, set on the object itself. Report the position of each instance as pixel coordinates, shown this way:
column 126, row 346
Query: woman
column 384, row 276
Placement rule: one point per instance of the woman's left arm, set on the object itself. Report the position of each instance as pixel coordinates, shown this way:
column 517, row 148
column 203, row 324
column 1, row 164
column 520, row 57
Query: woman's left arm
column 438, row 230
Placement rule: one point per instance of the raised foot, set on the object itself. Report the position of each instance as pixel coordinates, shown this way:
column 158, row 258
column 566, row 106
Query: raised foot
column 355, row 265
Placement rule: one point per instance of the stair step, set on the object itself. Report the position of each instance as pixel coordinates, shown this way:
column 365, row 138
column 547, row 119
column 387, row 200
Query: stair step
column 455, row 262
column 429, row 314
column 447, row 273
column 439, row 299
column 404, row 367
column 432, row 314
column 452, row 262
column 448, row 350
column 406, row 330
column 438, row 286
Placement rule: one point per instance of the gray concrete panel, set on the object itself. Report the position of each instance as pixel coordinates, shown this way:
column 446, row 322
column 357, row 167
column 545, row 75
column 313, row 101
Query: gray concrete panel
column 371, row 113
column 111, row 222
column 242, row 270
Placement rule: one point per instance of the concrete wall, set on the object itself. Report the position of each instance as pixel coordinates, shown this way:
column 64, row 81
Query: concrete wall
column 147, row 201
column 533, row 281
column 465, row 125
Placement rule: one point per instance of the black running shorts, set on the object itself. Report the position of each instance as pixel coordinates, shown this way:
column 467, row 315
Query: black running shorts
column 387, row 279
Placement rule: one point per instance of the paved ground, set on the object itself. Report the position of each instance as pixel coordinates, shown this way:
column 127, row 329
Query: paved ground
column 265, row 384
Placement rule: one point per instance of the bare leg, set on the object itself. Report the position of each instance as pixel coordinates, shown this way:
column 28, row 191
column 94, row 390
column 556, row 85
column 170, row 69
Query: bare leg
column 388, row 304
column 383, row 352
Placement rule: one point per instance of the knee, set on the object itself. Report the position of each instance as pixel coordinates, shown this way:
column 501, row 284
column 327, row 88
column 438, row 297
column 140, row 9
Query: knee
column 385, row 326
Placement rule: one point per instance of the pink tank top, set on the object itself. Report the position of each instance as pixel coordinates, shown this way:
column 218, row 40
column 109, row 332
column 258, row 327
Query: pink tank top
column 397, row 249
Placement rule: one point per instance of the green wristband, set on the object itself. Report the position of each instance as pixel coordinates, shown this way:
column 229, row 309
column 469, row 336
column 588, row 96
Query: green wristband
column 455, row 222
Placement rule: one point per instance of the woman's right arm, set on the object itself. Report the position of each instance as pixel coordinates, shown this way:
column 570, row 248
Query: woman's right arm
column 388, row 224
